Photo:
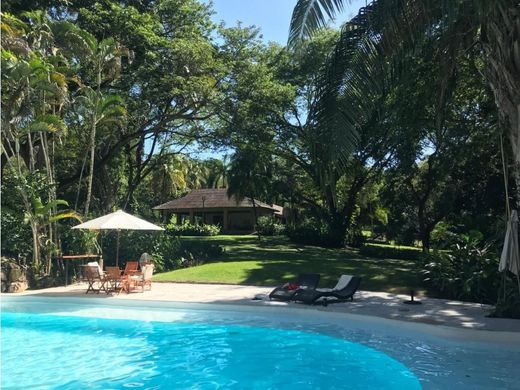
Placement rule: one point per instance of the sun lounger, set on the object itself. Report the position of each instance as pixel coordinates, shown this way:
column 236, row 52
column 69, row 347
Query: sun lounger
column 343, row 291
column 305, row 281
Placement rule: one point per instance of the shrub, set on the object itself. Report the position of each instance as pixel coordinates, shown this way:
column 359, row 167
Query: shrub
column 269, row 226
column 312, row 232
column 384, row 252
column 132, row 244
column 468, row 271
column 194, row 252
column 16, row 235
column 188, row 229
column 508, row 304
column 446, row 236
column 168, row 252
column 355, row 238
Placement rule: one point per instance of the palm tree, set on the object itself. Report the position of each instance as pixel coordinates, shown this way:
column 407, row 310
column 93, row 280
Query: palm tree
column 32, row 93
column 105, row 58
column 387, row 30
column 98, row 110
column 169, row 179
column 216, row 172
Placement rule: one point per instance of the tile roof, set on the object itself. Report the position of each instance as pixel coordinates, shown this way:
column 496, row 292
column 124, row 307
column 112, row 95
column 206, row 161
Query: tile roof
column 213, row 198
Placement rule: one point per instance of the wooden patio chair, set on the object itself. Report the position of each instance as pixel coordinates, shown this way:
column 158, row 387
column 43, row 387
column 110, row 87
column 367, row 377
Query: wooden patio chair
column 131, row 268
column 92, row 276
column 144, row 279
column 116, row 280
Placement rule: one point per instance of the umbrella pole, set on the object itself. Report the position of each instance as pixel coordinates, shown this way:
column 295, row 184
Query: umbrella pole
column 117, row 248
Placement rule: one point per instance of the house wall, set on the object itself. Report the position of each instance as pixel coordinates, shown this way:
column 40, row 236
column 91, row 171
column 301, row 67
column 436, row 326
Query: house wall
column 238, row 221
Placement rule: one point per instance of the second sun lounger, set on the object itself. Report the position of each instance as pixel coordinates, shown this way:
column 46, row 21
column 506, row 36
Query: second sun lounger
column 304, row 281
column 344, row 290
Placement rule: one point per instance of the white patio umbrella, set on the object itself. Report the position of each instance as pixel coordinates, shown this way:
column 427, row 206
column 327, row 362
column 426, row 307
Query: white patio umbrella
column 118, row 220
column 510, row 258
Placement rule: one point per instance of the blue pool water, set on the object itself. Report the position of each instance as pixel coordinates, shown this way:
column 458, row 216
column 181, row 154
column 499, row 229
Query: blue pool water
column 68, row 352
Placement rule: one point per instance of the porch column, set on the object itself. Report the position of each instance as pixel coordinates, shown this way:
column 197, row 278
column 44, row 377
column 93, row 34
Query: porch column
column 192, row 217
column 225, row 222
column 179, row 218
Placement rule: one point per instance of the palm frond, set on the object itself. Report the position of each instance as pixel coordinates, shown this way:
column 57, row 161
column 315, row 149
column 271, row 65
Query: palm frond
column 53, row 204
column 65, row 215
column 47, row 123
column 310, row 15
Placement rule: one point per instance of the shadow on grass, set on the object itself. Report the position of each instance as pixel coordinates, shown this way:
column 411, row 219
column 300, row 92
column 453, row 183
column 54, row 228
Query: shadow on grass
column 281, row 261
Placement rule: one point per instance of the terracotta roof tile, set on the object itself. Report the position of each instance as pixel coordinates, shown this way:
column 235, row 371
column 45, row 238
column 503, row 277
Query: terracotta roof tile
column 213, row 198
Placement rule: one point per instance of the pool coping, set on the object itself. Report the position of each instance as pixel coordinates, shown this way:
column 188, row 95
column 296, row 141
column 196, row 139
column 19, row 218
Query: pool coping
column 433, row 311
column 295, row 314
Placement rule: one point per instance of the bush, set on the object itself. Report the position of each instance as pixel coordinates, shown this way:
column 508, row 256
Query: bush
column 310, row 232
column 194, row 252
column 269, row 226
column 188, row 229
column 468, row 271
column 168, row 252
column 384, row 252
column 445, row 236
column 355, row 238
column 16, row 237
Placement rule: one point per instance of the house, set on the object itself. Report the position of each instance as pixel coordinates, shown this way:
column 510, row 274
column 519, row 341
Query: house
column 214, row 206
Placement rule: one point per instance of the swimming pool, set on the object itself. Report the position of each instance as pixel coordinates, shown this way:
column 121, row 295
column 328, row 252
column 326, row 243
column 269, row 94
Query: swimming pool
column 78, row 343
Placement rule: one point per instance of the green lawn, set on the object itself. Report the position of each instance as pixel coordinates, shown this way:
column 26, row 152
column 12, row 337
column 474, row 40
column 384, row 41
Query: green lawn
column 274, row 260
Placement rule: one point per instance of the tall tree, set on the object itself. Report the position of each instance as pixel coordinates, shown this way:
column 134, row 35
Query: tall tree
column 391, row 28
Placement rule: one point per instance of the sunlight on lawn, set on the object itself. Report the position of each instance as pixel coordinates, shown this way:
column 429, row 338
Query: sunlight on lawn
column 274, row 260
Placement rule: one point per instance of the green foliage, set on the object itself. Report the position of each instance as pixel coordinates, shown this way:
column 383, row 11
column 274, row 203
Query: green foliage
column 79, row 241
column 445, row 236
column 312, row 232
column 269, row 226
column 16, row 235
column 187, row 229
column 354, row 237
column 508, row 304
column 171, row 253
column 385, row 252
column 468, row 271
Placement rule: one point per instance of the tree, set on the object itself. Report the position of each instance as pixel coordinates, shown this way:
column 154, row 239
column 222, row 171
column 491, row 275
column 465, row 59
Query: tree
column 98, row 109
column 249, row 175
column 391, row 28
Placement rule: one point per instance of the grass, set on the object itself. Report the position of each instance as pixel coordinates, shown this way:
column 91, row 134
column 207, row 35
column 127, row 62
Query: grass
column 275, row 260
column 395, row 246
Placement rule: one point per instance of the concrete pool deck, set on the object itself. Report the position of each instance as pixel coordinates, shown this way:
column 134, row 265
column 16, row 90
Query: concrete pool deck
column 432, row 311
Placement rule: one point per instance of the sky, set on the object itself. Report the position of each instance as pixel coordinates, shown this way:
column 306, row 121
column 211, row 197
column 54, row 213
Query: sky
column 272, row 17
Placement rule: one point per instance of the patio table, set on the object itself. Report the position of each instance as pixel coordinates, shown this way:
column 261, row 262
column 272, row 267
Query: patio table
column 75, row 258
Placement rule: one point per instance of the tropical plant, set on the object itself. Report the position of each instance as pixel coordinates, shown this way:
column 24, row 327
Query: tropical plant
column 391, row 29
column 187, row 229
column 98, row 109
column 33, row 95
column 269, row 226
column 467, row 271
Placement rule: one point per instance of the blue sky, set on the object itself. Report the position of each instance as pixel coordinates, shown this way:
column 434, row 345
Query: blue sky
column 272, row 17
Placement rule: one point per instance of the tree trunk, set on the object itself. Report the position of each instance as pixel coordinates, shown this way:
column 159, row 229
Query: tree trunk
column 425, row 240
column 92, row 147
column 36, row 244
column 255, row 216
